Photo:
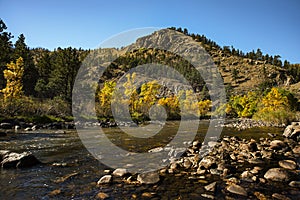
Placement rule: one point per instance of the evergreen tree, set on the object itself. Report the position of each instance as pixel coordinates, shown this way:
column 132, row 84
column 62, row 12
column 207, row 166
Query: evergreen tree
column 30, row 73
column 65, row 67
column 5, row 51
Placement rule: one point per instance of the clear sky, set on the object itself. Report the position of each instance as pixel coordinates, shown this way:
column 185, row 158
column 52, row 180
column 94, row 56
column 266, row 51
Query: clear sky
column 271, row 25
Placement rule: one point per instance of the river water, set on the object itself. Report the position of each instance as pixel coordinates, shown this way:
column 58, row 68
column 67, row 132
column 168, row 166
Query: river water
column 70, row 171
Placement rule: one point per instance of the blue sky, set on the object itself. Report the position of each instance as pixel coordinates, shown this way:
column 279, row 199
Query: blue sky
column 273, row 26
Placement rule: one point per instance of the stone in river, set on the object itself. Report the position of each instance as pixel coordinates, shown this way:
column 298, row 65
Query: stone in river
column 120, row 172
column 277, row 144
column 295, row 184
column 6, row 125
column 211, row 187
column 148, row 177
column 277, row 174
column 19, row 160
column 296, row 150
column 280, row 196
column 208, row 162
column 102, row 195
column 288, row 164
column 236, row 189
column 208, row 196
column 104, row 179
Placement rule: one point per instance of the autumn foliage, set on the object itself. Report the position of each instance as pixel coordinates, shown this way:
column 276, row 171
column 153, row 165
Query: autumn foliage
column 140, row 100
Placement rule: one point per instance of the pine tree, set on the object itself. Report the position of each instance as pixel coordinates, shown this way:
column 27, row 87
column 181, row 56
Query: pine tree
column 5, row 51
column 30, row 73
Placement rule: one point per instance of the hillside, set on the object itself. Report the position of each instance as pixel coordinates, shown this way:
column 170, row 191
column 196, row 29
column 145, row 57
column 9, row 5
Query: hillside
column 240, row 74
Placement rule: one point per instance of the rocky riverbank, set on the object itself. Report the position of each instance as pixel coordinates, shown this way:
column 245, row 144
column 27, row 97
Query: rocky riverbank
column 244, row 123
column 233, row 168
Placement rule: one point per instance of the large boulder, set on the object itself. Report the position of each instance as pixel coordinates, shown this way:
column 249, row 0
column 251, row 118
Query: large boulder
column 293, row 131
column 18, row 160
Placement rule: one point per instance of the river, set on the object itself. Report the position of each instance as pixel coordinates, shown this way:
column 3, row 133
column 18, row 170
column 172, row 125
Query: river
column 70, row 171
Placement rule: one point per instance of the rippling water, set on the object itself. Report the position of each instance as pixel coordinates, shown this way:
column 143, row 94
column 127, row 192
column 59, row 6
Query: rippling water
column 81, row 170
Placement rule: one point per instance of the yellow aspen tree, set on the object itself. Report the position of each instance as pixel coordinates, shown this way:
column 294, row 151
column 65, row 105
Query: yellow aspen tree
column 13, row 75
column 105, row 96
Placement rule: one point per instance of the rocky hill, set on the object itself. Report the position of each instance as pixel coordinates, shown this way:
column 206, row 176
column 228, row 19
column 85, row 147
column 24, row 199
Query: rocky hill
column 240, row 74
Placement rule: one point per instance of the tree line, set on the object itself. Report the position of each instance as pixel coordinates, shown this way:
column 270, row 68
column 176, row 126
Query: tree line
column 51, row 74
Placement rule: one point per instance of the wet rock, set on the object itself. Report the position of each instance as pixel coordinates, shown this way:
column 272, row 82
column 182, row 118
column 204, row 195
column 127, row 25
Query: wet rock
column 260, row 196
column 295, row 184
column 120, row 172
column 187, row 163
column 236, row 189
column 149, row 177
column 102, row 195
column 6, row 125
column 28, row 129
column 296, row 150
column 211, row 187
column 280, row 196
column 256, row 170
column 232, row 180
column 105, row 179
column 277, row 145
column 277, row 174
column 19, row 160
column 246, row 175
column 287, row 164
column 208, row 196
column 208, row 162
column 147, row 194
column 292, row 131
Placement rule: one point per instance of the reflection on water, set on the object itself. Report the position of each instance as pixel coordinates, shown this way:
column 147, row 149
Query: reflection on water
column 70, row 156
